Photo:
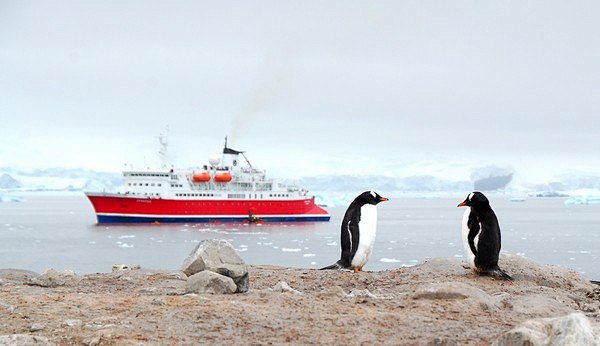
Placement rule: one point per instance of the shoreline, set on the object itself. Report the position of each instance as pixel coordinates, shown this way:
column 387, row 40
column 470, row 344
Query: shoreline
column 435, row 302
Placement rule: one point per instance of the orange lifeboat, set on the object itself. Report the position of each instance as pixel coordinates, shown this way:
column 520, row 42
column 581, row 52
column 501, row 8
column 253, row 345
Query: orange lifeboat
column 201, row 177
column 223, row 177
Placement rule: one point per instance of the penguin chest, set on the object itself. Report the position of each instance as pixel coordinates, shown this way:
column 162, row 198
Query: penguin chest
column 367, row 228
column 469, row 255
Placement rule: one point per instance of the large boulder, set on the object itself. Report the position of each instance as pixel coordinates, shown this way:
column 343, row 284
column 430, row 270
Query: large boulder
column 218, row 256
column 573, row 329
column 210, row 282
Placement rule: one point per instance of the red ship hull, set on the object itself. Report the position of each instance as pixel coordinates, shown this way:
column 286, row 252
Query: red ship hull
column 118, row 208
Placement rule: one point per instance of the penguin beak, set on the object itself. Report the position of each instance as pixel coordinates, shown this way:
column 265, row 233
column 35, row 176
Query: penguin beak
column 383, row 199
column 462, row 204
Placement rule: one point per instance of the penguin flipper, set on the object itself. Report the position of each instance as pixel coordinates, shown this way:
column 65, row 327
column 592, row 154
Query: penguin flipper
column 500, row 274
column 595, row 282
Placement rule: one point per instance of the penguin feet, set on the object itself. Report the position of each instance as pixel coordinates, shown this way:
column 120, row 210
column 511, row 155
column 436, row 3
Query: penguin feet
column 500, row 275
column 357, row 269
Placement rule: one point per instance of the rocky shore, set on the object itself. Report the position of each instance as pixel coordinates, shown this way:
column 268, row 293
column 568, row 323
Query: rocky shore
column 438, row 302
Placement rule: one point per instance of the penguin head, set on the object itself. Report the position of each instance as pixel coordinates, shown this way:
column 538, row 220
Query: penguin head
column 474, row 199
column 371, row 197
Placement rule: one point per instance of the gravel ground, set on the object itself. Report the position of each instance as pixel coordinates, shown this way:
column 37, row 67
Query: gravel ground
column 438, row 302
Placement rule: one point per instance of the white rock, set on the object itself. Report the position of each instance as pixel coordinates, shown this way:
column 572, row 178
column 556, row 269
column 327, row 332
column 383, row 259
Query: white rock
column 220, row 257
column 362, row 293
column 282, row 286
column 210, row 282
column 573, row 329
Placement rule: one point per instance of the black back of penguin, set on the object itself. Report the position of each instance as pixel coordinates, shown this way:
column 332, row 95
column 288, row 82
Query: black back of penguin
column 484, row 223
column 350, row 232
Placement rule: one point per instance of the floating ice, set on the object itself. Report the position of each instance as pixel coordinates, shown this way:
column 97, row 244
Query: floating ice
column 578, row 200
column 389, row 260
column 125, row 245
column 309, row 255
column 126, row 236
column 285, row 249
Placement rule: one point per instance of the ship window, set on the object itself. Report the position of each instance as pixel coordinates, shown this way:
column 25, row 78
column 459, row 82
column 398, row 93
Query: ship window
column 152, row 184
column 159, row 184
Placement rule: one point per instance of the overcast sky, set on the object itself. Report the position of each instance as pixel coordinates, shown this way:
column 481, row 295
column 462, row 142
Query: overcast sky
column 335, row 85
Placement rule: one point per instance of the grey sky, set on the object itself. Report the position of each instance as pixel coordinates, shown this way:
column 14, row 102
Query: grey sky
column 91, row 84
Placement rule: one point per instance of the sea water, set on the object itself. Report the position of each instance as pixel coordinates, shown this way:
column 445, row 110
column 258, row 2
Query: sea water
column 45, row 232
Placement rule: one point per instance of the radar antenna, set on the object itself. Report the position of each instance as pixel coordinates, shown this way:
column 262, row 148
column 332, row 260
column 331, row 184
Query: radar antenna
column 245, row 158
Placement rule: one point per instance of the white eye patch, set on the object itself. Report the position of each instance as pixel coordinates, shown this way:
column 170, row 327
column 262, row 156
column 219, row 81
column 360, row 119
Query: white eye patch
column 470, row 196
column 373, row 194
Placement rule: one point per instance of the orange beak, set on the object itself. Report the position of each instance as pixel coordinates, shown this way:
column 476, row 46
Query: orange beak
column 383, row 199
column 462, row 204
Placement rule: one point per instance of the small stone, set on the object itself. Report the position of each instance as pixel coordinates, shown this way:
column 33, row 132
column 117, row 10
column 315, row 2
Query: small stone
column 282, row 286
column 36, row 327
column 9, row 307
column 120, row 267
column 93, row 341
column 361, row 294
column 73, row 323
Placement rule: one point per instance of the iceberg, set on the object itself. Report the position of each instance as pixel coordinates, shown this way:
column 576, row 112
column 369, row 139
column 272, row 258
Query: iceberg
column 10, row 198
column 579, row 200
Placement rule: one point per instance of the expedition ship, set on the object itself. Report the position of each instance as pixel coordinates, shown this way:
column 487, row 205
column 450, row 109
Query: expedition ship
column 226, row 190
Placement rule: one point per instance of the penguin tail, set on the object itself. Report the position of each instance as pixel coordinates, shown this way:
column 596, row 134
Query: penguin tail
column 498, row 273
column 595, row 282
column 337, row 265
column 333, row 266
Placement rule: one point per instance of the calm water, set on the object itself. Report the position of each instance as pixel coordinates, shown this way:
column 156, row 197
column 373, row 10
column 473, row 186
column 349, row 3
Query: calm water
column 60, row 233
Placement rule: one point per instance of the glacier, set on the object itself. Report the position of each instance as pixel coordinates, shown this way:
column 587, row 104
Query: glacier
column 331, row 189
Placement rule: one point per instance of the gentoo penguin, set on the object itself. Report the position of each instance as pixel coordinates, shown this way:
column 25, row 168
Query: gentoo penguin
column 481, row 236
column 359, row 227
